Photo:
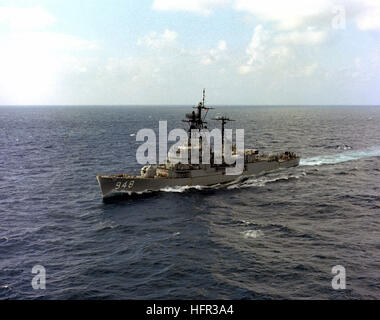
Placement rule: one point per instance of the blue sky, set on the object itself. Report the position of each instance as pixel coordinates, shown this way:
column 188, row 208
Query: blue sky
column 166, row 51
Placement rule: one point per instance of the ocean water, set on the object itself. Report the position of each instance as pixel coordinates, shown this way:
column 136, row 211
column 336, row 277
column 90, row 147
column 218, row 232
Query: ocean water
column 273, row 237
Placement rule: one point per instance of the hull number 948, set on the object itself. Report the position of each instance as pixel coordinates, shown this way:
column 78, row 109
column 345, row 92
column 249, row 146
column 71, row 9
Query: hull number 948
column 126, row 185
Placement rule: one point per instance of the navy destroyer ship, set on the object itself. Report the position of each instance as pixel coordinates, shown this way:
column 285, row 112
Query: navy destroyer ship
column 176, row 174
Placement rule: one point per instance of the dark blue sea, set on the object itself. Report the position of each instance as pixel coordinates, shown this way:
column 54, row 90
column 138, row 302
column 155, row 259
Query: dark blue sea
column 273, row 237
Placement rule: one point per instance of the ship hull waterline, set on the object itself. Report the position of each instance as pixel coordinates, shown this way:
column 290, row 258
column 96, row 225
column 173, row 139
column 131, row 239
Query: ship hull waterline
column 120, row 186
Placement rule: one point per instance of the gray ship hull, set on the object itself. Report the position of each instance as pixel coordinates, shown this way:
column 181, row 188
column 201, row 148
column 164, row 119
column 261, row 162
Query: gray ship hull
column 113, row 185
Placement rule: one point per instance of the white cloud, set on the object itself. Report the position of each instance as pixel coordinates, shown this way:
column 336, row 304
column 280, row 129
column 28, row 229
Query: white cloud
column 309, row 37
column 155, row 40
column 25, row 18
column 286, row 15
column 274, row 52
column 256, row 50
column 245, row 69
column 203, row 7
column 257, row 46
column 222, row 45
column 216, row 54
column 33, row 62
column 310, row 69
column 47, row 41
column 368, row 14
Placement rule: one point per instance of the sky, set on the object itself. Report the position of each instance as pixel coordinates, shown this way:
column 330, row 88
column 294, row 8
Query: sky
column 164, row 52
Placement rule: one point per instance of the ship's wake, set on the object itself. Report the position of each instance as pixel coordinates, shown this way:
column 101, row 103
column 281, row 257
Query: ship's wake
column 341, row 157
column 241, row 182
column 262, row 181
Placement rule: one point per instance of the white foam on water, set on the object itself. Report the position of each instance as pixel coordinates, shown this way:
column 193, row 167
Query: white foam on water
column 252, row 234
column 181, row 188
column 341, row 157
column 245, row 222
column 262, row 181
column 241, row 182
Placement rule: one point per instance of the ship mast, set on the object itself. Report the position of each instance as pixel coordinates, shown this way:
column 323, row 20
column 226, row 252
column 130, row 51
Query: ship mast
column 204, row 94
column 223, row 120
column 195, row 118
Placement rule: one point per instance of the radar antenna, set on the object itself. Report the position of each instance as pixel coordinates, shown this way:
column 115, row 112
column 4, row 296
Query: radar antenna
column 196, row 120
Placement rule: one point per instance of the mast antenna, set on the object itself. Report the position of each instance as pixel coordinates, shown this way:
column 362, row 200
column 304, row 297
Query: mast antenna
column 223, row 120
column 195, row 118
